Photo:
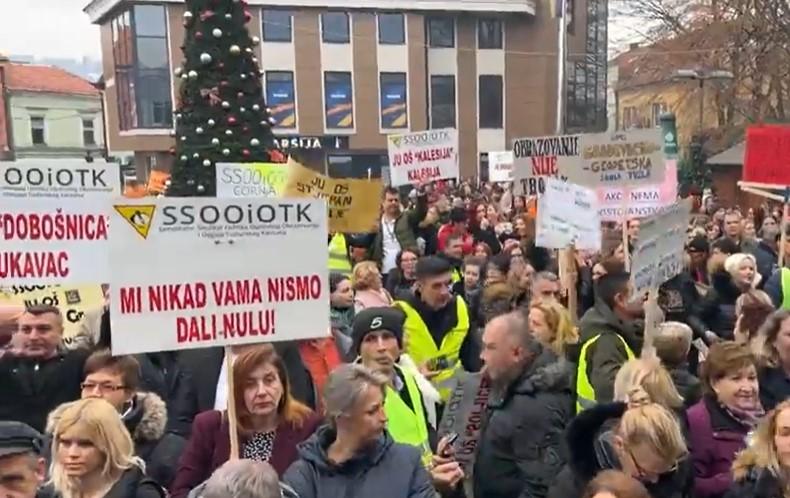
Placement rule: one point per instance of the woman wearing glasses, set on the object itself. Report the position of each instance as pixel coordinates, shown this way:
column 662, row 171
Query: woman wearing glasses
column 720, row 423
column 644, row 442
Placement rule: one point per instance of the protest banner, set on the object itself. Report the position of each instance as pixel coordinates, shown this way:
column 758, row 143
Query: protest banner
column 73, row 301
column 659, row 252
column 53, row 241
column 500, row 166
column 59, row 179
column 463, row 415
column 766, row 161
column 423, row 156
column 616, row 203
column 251, row 179
column 538, row 158
column 352, row 205
column 202, row 272
column 568, row 215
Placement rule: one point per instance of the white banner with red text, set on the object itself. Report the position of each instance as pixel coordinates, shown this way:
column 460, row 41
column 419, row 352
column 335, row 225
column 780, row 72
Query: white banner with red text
column 423, row 156
column 53, row 241
column 200, row 272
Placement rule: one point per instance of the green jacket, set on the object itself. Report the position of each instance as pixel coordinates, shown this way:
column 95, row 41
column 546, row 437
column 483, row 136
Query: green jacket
column 405, row 230
column 607, row 355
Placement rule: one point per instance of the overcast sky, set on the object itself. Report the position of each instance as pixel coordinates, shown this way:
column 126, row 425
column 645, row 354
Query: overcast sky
column 47, row 28
column 59, row 28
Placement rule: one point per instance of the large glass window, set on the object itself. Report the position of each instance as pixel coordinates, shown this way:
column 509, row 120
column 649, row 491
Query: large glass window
column 394, row 109
column 338, row 100
column 276, row 25
column 37, row 130
column 334, row 27
column 489, row 33
column 490, row 100
column 586, row 78
column 441, row 32
column 142, row 68
column 391, row 29
column 442, row 101
column 280, row 97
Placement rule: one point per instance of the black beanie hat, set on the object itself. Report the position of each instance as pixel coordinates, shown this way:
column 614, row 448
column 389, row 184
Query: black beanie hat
column 374, row 319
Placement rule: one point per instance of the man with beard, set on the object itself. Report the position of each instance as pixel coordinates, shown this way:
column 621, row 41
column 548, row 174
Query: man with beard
column 520, row 451
column 611, row 334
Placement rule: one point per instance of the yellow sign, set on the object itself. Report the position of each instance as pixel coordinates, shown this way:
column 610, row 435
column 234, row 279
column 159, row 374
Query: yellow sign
column 353, row 205
column 139, row 216
column 73, row 301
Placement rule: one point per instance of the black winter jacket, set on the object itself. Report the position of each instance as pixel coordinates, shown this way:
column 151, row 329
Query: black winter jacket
column 161, row 374
column 591, row 452
column 30, row 389
column 520, row 450
column 757, row 483
column 132, row 484
column 717, row 308
column 774, row 386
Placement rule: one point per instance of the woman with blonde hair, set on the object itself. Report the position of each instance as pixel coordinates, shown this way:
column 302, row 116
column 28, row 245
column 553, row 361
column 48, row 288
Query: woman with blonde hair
column 651, row 377
column 645, row 442
column 763, row 469
column 550, row 323
column 368, row 287
column 773, row 359
column 93, row 455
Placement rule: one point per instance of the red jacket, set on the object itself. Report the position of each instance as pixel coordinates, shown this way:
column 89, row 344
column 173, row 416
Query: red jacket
column 444, row 233
column 209, row 447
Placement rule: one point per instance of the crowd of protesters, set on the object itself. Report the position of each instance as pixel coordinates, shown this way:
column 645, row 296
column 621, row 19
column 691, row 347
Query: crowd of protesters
column 450, row 283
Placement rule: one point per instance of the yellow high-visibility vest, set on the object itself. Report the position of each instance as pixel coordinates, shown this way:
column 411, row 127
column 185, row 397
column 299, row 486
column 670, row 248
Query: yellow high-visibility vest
column 408, row 425
column 456, row 276
column 338, row 255
column 585, row 393
column 422, row 348
column 786, row 288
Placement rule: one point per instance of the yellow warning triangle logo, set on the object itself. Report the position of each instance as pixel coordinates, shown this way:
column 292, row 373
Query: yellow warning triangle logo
column 139, row 216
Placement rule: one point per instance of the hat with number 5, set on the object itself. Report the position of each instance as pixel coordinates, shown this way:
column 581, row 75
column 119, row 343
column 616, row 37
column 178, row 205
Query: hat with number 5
column 375, row 319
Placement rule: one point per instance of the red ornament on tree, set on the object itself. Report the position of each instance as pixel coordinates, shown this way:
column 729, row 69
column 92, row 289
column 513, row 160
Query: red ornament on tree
column 231, row 120
column 223, row 82
column 198, row 35
column 246, row 129
column 172, row 151
column 245, row 153
column 247, row 16
column 240, row 94
column 206, row 15
column 221, row 65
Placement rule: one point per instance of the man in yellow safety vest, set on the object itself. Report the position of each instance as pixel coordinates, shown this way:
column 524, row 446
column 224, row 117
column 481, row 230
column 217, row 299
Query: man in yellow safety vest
column 440, row 337
column 378, row 339
column 611, row 334
column 338, row 254
column 778, row 285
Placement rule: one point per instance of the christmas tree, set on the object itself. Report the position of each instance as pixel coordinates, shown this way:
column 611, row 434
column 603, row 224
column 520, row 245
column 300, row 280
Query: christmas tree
column 221, row 115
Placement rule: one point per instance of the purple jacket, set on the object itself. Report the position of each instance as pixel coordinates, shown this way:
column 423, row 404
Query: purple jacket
column 714, row 439
column 209, row 447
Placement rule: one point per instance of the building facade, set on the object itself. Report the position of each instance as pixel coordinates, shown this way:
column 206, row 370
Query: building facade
column 340, row 76
column 48, row 112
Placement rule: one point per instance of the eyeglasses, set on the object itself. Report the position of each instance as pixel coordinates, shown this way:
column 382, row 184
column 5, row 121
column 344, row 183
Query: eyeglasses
column 91, row 386
column 644, row 473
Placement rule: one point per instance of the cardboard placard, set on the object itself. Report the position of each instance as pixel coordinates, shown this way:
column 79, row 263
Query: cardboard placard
column 202, row 272
column 568, row 215
column 659, row 252
column 54, row 241
column 464, row 415
column 251, row 179
column 423, row 156
column 59, row 179
column 617, row 203
column 352, row 205
column 767, row 156
column 538, row 158
column 500, row 166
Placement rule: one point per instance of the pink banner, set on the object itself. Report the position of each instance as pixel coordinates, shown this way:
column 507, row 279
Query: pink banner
column 639, row 202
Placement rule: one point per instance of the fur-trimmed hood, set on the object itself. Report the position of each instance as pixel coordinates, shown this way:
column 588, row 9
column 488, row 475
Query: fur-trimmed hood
column 146, row 420
column 589, row 451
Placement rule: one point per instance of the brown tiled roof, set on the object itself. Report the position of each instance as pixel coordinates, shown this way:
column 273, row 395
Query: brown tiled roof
column 33, row 78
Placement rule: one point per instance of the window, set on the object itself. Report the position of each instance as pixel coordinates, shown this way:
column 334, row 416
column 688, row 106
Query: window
column 338, row 100
column 334, row 27
column 142, row 68
column 394, row 109
column 280, row 98
column 441, row 32
column 276, row 25
column 586, row 81
column 489, row 33
column 37, row 130
column 630, row 118
column 391, row 29
column 659, row 108
column 442, row 101
column 490, row 101
column 88, row 132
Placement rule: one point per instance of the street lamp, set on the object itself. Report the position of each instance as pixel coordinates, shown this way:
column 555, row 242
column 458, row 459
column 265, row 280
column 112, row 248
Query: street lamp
column 701, row 77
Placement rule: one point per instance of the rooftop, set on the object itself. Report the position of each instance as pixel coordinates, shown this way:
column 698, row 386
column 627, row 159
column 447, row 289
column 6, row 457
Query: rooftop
column 48, row 79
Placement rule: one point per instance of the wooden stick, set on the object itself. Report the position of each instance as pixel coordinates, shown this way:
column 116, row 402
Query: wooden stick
column 234, row 429
column 763, row 193
column 626, row 251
